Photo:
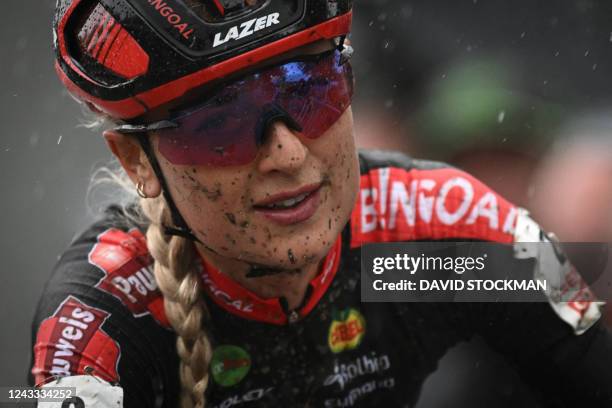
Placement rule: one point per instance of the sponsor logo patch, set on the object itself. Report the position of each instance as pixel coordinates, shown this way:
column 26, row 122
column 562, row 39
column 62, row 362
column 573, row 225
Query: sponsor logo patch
column 229, row 365
column 360, row 391
column 583, row 309
column 128, row 272
column 345, row 373
column 346, row 330
column 250, row 396
column 173, row 18
column 402, row 205
column 71, row 340
column 246, row 29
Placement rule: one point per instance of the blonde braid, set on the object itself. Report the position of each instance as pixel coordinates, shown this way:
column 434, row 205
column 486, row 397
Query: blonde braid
column 179, row 282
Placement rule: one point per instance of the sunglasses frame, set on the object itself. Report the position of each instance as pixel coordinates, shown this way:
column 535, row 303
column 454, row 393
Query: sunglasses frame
column 346, row 53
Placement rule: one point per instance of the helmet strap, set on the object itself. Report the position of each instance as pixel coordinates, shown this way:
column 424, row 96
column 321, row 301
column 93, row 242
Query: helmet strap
column 180, row 227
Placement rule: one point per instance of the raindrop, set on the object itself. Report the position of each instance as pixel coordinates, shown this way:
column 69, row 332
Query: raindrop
column 34, row 137
column 21, row 43
column 586, row 53
column 59, row 140
column 501, row 116
column 594, row 67
column 38, row 191
column 523, row 34
column 407, row 12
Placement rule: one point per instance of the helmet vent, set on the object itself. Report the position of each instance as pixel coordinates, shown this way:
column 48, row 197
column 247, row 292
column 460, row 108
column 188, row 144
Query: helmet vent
column 221, row 10
column 102, row 41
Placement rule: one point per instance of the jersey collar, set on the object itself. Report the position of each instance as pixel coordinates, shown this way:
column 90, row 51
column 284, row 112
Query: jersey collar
column 234, row 298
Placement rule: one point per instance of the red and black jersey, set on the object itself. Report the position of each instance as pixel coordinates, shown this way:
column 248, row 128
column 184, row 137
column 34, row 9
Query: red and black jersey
column 101, row 313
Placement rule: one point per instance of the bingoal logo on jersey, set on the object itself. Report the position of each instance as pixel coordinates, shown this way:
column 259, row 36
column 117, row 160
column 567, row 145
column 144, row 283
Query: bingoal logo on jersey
column 128, row 272
column 403, row 205
column 71, row 340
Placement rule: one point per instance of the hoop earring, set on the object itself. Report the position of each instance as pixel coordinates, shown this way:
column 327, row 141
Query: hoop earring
column 140, row 190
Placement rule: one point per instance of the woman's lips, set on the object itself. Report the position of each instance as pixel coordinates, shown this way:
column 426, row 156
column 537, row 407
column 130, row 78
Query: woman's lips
column 298, row 213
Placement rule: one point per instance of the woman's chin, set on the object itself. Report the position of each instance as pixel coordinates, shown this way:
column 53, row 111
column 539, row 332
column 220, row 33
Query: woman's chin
column 293, row 256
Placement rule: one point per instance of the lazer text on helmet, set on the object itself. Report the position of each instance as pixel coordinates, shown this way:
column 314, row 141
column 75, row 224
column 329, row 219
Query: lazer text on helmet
column 247, row 29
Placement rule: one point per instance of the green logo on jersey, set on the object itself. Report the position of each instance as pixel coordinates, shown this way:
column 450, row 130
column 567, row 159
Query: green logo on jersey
column 229, row 365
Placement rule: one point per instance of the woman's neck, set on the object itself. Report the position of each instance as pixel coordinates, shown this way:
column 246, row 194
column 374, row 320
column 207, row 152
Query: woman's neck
column 264, row 282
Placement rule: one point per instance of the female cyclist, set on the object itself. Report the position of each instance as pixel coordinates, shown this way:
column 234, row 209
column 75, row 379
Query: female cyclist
column 234, row 280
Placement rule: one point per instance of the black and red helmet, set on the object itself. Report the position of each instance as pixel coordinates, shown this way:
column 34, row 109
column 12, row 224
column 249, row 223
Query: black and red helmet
column 128, row 57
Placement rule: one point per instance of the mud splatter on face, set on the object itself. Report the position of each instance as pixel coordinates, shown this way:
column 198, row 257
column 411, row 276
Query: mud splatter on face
column 309, row 258
column 231, row 218
column 326, row 180
column 259, row 271
column 291, row 256
column 229, row 238
column 220, row 203
column 212, row 193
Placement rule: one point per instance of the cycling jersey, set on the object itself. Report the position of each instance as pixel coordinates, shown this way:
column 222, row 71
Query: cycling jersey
column 102, row 314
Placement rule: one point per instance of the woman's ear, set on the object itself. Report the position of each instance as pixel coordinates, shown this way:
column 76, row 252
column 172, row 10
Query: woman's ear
column 134, row 161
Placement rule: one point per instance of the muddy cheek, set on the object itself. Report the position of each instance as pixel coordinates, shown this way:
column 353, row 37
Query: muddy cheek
column 231, row 218
column 230, row 239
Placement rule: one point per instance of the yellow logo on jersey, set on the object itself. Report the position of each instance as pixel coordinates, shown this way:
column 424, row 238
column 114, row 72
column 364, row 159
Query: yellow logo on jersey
column 346, row 331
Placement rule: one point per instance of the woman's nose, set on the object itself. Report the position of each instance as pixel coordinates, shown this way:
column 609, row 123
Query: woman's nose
column 282, row 150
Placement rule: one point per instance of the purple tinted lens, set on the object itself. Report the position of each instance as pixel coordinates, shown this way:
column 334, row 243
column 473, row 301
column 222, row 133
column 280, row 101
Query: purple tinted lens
column 323, row 99
column 212, row 137
column 223, row 131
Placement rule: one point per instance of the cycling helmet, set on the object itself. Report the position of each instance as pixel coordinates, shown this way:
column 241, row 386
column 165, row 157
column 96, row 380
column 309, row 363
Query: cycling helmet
column 125, row 58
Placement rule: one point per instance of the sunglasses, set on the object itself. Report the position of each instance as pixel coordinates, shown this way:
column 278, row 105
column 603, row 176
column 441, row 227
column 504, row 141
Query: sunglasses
column 309, row 95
